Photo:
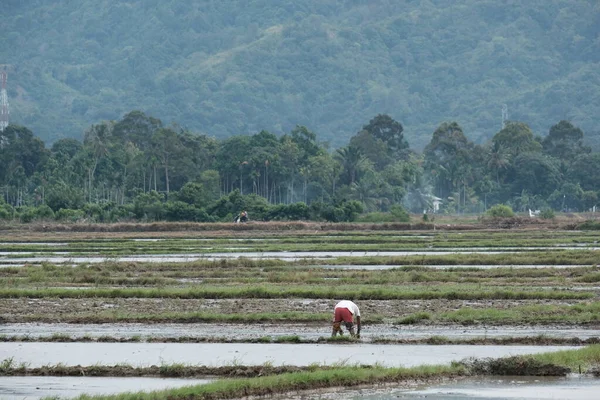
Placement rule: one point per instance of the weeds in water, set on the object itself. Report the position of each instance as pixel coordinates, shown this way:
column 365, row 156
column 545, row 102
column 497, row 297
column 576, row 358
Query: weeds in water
column 437, row 340
column 7, row 365
column 172, row 370
column 60, row 337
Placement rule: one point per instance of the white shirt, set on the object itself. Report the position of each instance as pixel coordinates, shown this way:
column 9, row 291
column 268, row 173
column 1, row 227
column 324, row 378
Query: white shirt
column 350, row 306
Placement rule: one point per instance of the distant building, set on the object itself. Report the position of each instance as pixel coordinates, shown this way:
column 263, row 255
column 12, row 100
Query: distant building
column 436, row 202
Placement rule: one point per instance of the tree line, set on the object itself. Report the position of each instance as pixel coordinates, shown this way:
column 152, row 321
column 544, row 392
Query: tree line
column 137, row 168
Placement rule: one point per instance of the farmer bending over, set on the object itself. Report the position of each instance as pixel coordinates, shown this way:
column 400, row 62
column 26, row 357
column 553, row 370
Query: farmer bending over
column 346, row 311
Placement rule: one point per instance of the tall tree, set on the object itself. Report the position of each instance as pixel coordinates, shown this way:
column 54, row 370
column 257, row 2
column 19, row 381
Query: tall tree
column 449, row 158
column 166, row 145
column 97, row 141
column 565, row 142
column 352, row 161
column 517, row 138
column 390, row 132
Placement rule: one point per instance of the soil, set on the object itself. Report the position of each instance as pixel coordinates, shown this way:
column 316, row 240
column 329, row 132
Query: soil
column 57, row 309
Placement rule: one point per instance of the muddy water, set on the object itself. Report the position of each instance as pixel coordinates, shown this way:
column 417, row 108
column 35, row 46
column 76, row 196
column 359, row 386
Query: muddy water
column 305, row 332
column 218, row 354
column 37, row 387
column 508, row 388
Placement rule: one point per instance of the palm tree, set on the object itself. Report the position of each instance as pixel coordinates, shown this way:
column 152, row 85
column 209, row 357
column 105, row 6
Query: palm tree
column 352, row 160
column 498, row 159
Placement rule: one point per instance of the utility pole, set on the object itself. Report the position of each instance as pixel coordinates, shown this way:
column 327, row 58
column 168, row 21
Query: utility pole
column 4, row 110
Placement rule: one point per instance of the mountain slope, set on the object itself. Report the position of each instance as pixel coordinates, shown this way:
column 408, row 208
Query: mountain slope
column 230, row 67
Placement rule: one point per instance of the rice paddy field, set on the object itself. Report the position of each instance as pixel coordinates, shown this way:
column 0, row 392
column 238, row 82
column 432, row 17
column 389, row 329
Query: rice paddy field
column 238, row 304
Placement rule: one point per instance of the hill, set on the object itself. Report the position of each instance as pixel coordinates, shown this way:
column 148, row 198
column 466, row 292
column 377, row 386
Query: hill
column 228, row 67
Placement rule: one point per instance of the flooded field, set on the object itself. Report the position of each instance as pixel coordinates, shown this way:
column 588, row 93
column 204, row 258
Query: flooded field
column 219, row 354
column 303, row 331
column 39, row 387
column 492, row 388
column 153, row 288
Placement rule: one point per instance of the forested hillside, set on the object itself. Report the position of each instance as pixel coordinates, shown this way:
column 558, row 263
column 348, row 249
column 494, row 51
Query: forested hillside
column 231, row 67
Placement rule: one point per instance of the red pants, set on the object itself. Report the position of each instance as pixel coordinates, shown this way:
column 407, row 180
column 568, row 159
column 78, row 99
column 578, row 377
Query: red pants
column 342, row 314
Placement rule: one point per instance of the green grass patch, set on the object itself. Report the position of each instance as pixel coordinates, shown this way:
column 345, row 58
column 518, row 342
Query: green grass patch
column 573, row 359
column 358, row 292
column 305, row 380
column 534, row 314
column 414, row 318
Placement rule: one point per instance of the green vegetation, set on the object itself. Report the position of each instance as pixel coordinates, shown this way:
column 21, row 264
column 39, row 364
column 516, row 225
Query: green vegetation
column 332, row 65
column 414, row 318
column 586, row 357
column 462, row 292
column 342, row 376
column 554, row 364
column 581, row 314
column 501, row 210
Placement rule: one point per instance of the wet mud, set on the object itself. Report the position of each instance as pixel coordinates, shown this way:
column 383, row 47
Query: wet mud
column 268, row 332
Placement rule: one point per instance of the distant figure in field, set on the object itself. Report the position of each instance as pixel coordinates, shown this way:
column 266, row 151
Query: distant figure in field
column 347, row 312
column 241, row 217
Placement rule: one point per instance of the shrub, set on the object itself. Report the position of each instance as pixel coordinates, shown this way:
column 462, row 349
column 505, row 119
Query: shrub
column 547, row 213
column 180, row 211
column 6, row 210
column 291, row 212
column 68, row 215
column 501, row 210
column 44, row 212
column 589, row 226
column 399, row 213
column 26, row 214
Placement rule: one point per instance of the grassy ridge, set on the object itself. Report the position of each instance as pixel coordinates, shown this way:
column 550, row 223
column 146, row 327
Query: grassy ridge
column 581, row 314
column 193, row 317
column 573, row 359
column 175, row 274
column 353, row 376
column 267, row 385
column 457, row 292
column 534, row 314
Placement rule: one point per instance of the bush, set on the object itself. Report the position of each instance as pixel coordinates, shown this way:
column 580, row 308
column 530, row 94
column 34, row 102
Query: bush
column 547, row 213
column 589, row 226
column 26, row 214
column 500, row 210
column 181, row 211
column 345, row 211
column 290, row 212
column 399, row 213
column 44, row 212
column 68, row 215
column 6, row 210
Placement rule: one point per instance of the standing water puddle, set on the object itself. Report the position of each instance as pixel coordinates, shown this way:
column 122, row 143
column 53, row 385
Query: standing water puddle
column 37, row 387
column 218, row 354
